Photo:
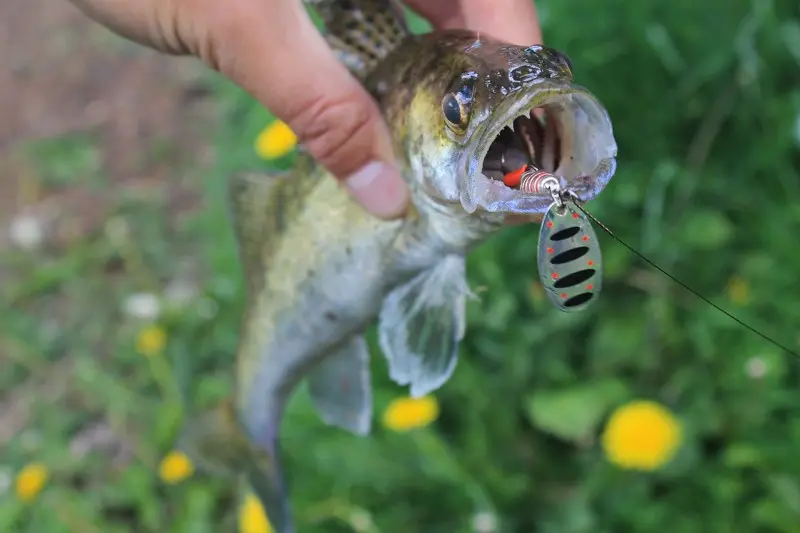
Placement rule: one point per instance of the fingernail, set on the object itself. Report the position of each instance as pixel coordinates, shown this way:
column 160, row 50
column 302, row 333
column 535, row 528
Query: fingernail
column 380, row 189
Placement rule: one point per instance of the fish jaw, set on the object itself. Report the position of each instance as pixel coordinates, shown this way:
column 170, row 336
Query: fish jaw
column 588, row 151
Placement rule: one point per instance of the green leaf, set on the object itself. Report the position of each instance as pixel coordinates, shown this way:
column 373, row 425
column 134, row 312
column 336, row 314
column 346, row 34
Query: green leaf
column 573, row 413
column 11, row 512
column 619, row 342
column 787, row 490
column 66, row 159
column 138, row 484
column 196, row 511
column 706, row 230
column 742, row 455
column 168, row 423
column 416, row 23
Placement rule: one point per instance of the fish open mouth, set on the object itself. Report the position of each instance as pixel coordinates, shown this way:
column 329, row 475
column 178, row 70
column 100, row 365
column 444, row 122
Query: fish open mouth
column 530, row 140
column 565, row 131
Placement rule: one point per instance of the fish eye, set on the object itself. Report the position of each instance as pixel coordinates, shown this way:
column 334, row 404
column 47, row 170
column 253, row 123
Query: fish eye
column 455, row 108
column 524, row 73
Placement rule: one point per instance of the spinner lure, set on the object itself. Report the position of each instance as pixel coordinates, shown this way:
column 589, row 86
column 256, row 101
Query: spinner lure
column 570, row 262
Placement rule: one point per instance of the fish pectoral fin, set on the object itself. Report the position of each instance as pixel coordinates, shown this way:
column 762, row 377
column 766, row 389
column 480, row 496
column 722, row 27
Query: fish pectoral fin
column 341, row 388
column 421, row 325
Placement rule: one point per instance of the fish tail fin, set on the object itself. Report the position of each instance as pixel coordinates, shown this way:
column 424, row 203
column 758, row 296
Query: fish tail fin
column 267, row 483
column 218, row 444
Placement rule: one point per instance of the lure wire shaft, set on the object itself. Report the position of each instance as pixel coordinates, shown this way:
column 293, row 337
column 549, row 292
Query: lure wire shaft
column 538, row 181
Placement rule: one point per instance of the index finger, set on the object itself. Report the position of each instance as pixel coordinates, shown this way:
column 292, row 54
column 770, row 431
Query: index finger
column 273, row 50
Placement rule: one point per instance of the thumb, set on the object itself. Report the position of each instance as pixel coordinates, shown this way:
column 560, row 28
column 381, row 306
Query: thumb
column 283, row 60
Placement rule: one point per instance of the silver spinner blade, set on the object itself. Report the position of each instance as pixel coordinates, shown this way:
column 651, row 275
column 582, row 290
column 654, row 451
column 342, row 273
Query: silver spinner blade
column 570, row 262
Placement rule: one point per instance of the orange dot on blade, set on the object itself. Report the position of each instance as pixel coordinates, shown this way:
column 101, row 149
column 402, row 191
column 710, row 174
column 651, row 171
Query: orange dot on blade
column 555, row 275
column 549, row 250
column 590, row 263
column 574, row 215
column 585, row 237
column 589, row 287
column 563, row 294
column 549, row 223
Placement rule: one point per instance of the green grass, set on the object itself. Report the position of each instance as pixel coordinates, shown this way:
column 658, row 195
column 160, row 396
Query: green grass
column 706, row 109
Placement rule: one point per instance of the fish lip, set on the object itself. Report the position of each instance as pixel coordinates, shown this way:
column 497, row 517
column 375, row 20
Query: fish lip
column 478, row 191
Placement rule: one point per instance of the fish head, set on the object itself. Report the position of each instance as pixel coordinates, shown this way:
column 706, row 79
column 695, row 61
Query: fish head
column 481, row 108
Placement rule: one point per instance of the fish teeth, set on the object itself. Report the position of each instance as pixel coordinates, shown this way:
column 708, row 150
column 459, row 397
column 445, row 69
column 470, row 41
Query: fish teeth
column 511, row 122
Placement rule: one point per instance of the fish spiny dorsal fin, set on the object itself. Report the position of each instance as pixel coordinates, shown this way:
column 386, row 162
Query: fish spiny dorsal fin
column 253, row 199
column 261, row 205
column 361, row 32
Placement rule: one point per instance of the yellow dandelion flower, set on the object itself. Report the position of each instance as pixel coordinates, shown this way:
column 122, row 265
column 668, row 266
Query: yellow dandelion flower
column 30, row 481
column 175, row 467
column 405, row 414
column 151, row 341
column 738, row 290
column 252, row 518
column 641, row 435
column 276, row 140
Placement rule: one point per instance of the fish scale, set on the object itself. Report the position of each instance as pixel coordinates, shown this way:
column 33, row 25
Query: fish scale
column 361, row 32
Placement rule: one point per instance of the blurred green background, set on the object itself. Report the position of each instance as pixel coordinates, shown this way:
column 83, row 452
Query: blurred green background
column 117, row 222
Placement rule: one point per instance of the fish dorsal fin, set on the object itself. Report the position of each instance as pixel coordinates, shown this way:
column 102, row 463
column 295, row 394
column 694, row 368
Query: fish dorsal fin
column 361, row 32
column 262, row 204
column 250, row 197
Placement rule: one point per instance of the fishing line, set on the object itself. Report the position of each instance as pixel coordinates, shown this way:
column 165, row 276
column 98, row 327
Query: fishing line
column 684, row 285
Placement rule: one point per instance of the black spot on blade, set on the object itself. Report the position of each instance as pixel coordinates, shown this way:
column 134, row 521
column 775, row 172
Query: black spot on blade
column 565, row 233
column 580, row 299
column 569, row 255
column 573, row 279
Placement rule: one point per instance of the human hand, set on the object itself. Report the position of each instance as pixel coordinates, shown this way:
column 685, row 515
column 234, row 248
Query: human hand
column 273, row 50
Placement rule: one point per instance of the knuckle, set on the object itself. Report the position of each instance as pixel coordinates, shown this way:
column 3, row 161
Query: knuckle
column 211, row 31
column 336, row 131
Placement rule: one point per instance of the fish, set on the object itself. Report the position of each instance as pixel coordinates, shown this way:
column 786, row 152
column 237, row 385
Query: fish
column 462, row 109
